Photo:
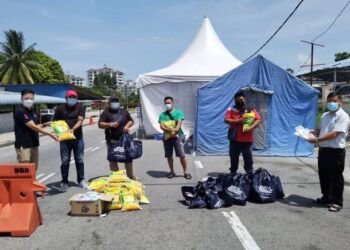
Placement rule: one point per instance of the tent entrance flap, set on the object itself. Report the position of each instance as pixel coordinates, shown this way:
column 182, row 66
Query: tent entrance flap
column 261, row 101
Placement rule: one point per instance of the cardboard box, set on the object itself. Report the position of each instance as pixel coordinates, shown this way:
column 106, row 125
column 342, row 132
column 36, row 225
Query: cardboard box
column 89, row 204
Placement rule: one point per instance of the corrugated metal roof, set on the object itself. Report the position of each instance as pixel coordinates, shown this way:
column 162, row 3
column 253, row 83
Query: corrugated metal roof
column 336, row 65
column 10, row 98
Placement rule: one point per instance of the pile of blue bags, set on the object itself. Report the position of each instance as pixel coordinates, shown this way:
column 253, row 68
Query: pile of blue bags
column 226, row 190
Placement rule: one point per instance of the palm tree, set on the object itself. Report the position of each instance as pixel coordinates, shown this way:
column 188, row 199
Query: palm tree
column 16, row 64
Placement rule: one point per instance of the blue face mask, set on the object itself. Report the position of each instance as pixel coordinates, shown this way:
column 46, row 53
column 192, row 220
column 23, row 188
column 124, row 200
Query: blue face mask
column 332, row 106
column 115, row 105
column 71, row 101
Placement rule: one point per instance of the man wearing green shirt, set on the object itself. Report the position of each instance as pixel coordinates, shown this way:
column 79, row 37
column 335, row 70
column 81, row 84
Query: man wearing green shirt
column 170, row 122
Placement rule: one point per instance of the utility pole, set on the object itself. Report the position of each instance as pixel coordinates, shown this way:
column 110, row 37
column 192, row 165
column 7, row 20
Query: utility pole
column 312, row 56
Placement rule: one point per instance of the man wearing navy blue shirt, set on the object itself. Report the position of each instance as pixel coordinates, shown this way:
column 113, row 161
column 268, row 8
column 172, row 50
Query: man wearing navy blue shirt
column 27, row 130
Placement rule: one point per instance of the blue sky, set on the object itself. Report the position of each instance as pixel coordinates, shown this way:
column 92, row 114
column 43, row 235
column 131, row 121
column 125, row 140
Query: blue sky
column 138, row 36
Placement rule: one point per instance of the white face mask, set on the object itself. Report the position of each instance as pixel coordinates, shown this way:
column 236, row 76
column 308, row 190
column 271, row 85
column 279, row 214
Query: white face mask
column 28, row 103
column 115, row 105
column 168, row 106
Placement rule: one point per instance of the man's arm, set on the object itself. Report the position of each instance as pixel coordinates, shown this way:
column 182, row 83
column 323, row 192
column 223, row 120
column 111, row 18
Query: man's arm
column 325, row 137
column 37, row 128
column 165, row 128
column 77, row 124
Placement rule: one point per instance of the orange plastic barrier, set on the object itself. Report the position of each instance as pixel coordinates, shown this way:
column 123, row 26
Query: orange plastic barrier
column 19, row 211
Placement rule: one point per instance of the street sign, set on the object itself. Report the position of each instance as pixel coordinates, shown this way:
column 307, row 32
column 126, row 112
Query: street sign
column 139, row 112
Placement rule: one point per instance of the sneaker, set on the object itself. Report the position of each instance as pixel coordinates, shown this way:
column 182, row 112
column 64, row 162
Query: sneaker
column 63, row 187
column 83, row 184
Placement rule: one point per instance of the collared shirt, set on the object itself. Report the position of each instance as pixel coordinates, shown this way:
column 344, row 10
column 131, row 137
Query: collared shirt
column 25, row 136
column 239, row 135
column 338, row 121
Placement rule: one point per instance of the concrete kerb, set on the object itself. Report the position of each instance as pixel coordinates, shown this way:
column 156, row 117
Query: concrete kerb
column 9, row 143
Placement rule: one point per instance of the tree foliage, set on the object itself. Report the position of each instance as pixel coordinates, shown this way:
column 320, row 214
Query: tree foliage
column 341, row 56
column 16, row 65
column 105, row 84
column 50, row 70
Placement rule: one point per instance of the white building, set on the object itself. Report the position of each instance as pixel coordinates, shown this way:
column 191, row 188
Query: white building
column 92, row 73
column 76, row 80
column 130, row 87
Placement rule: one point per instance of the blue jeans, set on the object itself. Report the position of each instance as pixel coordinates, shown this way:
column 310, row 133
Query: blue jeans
column 66, row 148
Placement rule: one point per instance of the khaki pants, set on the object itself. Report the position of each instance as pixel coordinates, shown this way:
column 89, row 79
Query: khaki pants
column 28, row 155
column 113, row 166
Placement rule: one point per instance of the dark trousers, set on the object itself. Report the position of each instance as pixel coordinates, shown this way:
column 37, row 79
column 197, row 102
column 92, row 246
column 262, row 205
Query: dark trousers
column 236, row 148
column 66, row 148
column 331, row 162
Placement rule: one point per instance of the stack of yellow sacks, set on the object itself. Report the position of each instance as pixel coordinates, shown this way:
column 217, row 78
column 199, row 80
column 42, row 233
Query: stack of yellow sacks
column 128, row 194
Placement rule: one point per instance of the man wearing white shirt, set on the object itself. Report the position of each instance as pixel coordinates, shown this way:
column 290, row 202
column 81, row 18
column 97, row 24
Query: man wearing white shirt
column 334, row 129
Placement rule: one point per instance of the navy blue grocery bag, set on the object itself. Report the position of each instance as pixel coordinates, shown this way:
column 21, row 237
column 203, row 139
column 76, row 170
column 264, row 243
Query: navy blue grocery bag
column 263, row 187
column 125, row 149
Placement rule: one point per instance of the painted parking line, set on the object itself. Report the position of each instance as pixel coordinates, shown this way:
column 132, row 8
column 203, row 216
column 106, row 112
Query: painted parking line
column 198, row 164
column 88, row 149
column 96, row 148
column 241, row 231
column 103, row 141
column 72, row 161
column 46, row 178
column 39, row 175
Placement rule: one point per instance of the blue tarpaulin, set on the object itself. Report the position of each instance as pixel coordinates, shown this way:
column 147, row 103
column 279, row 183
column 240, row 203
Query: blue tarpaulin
column 283, row 100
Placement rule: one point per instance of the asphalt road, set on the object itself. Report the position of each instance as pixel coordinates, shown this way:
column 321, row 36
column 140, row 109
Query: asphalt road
column 291, row 223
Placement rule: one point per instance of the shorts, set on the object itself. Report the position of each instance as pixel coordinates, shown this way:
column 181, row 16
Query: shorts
column 178, row 144
column 28, row 155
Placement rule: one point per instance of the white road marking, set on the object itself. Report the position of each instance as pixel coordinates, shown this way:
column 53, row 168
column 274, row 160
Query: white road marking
column 39, row 175
column 103, row 141
column 94, row 149
column 241, row 231
column 198, row 164
column 7, row 147
column 87, row 149
column 72, row 161
column 46, row 178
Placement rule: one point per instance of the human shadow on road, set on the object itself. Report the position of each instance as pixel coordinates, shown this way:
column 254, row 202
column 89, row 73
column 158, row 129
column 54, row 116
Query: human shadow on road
column 96, row 177
column 157, row 174
column 298, row 201
column 53, row 188
column 216, row 174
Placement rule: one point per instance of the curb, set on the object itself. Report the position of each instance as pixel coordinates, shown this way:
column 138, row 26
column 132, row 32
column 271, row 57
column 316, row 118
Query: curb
column 9, row 143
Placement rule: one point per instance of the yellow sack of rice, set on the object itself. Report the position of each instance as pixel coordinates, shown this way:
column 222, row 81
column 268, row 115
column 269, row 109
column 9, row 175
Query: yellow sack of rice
column 144, row 199
column 136, row 188
column 98, row 184
column 118, row 176
column 116, row 203
column 129, row 202
column 62, row 130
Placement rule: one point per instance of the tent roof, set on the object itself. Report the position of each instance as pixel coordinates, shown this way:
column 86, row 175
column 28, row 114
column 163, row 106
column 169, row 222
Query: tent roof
column 326, row 72
column 10, row 98
column 204, row 59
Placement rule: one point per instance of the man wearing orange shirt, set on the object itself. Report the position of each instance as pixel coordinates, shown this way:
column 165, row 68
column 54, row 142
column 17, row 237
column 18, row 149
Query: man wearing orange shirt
column 241, row 141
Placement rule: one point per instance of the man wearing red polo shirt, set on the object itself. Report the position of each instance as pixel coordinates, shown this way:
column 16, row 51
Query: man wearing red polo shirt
column 241, row 141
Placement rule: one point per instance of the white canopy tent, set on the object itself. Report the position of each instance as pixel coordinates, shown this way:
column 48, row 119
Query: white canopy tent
column 205, row 59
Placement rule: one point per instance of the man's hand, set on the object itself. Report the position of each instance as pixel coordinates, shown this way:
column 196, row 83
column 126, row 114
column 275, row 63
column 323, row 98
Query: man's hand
column 312, row 140
column 173, row 133
column 115, row 125
column 126, row 130
column 241, row 120
column 246, row 130
column 54, row 136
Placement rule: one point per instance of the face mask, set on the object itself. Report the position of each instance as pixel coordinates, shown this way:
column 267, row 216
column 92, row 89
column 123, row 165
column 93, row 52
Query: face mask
column 115, row 105
column 168, row 106
column 240, row 104
column 332, row 106
column 71, row 101
column 28, row 103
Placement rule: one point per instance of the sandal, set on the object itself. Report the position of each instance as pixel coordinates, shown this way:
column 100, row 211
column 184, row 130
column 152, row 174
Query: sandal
column 171, row 175
column 334, row 208
column 188, row 176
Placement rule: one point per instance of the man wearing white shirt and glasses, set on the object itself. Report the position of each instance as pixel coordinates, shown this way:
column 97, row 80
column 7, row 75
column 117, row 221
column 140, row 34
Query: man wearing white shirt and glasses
column 334, row 129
